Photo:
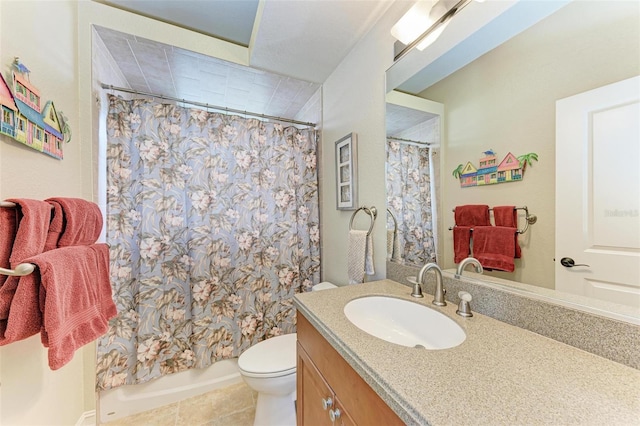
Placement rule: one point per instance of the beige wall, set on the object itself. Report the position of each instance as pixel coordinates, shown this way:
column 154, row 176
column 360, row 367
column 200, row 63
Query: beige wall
column 61, row 63
column 31, row 392
column 354, row 101
column 505, row 100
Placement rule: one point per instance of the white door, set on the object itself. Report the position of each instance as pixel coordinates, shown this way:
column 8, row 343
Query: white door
column 598, row 193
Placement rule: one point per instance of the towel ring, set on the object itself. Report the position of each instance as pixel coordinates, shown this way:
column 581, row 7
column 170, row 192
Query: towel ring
column 395, row 222
column 372, row 212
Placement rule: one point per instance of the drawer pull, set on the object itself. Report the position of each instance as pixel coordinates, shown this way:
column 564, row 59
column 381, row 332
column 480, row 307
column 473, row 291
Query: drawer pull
column 334, row 415
column 327, row 403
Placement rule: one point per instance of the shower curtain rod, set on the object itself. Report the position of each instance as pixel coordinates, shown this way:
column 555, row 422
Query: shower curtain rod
column 410, row 141
column 209, row 106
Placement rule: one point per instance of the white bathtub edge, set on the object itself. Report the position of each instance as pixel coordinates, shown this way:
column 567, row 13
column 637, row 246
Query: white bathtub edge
column 128, row 400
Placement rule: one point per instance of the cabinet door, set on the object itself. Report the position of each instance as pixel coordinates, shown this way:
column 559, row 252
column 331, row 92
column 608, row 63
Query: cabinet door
column 364, row 406
column 341, row 416
column 313, row 393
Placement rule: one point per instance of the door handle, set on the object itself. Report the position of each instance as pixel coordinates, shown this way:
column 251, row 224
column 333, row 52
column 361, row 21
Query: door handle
column 568, row 262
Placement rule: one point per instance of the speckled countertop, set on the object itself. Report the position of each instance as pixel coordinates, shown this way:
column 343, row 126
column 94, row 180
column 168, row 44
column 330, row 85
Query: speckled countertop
column 500, row 374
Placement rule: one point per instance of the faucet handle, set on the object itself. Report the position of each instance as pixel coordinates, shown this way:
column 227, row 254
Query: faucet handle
column 417, row 290
column 464, row 308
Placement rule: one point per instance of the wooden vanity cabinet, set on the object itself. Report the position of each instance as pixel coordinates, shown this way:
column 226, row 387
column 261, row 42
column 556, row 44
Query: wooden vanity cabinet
column 322, row 375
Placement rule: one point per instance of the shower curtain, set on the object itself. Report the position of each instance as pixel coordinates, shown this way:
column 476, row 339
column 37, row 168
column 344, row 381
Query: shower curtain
column 409, row 196
column 212, row 220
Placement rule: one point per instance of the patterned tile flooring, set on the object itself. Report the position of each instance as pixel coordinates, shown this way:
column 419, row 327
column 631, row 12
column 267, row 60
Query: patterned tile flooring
column 230, row 406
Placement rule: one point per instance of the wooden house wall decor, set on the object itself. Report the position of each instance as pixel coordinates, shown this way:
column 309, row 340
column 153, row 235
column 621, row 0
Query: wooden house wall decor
column 489, row 172
column 25, row 118
column 9, row 110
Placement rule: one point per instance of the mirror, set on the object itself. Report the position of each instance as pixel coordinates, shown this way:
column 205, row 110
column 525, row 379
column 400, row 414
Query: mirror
column 503, row 99
column 412, row 173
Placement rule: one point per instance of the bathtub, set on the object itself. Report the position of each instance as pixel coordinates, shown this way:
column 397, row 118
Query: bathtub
column 127, row 400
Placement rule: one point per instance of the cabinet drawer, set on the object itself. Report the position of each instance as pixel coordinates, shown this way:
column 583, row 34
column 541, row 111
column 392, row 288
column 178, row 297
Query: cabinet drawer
column 358, row 399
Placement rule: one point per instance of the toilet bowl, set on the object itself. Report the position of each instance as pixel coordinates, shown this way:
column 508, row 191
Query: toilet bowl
column 269, row 368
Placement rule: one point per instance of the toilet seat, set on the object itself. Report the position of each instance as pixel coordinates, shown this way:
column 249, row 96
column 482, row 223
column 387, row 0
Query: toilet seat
column 274, row 357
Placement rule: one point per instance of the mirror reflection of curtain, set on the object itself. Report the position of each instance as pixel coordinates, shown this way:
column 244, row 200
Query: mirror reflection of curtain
column 213, row 225
column 409, row 198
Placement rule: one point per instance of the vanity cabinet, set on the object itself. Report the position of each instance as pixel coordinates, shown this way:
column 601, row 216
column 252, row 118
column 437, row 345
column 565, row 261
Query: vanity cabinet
column 329, row 391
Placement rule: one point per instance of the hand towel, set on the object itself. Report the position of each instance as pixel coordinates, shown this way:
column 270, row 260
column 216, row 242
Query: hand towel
column 78, row 222
column 390, row 243
column 8, row 228
column 494, row 247
column 507, row 216
column 368, row 258
column 357, row 256
column 472, row 214
column 76, row 300
column 461, row 243
column 21, row 293
column 397, row 246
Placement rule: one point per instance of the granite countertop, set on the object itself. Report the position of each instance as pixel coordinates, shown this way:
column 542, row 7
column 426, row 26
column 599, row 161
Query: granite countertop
column 500, row 374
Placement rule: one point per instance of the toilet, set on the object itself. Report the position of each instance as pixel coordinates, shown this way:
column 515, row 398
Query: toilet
column 269, row 368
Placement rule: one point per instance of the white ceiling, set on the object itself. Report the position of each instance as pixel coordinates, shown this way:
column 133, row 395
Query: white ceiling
column 157, row 68
column 229, row 20
column 400, row 118
column 308, row 39
column 294, row 46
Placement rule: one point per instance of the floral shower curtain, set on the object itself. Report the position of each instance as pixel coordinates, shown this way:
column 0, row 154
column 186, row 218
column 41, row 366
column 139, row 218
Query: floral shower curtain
column 409, row 199
column 213, row 225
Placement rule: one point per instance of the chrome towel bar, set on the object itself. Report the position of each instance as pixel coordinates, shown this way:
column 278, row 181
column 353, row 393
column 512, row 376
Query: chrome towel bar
column 21, row 270
column 530, row 219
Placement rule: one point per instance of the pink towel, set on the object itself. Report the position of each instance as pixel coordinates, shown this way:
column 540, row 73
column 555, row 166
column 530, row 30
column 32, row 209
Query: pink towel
column 56, row 226
column 76, row 222
column 494, row 247
column 21, row 293
column 8, row 227
column 472, row 215
column 508, row 216
column 461, row 243
column 75, row 298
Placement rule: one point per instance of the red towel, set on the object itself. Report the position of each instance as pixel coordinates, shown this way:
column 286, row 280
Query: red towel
column 494, row 247
column 507, row 216
column 77, row 221
column 75, row 298
column 56, row 226
column 8, row 227
column 472, row 215
column 21, row 293
column 461, row 243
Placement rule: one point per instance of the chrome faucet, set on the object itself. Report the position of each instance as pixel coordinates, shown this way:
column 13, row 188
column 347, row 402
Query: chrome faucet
column 438, row 298
column 468, row 261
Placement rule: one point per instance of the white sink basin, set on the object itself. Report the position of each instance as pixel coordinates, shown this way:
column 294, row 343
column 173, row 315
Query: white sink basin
column 404, row 323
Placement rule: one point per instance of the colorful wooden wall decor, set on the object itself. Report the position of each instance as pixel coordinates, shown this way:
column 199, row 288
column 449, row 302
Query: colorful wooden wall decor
column 489, row 171
column 25, row 118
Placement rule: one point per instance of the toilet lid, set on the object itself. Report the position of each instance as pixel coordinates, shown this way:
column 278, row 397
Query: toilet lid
column 274, row 355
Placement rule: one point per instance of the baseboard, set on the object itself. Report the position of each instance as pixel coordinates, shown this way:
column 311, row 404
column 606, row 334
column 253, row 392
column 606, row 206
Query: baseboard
column 88, row 418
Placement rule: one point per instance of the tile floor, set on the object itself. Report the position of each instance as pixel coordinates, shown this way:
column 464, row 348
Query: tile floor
column 230, row 406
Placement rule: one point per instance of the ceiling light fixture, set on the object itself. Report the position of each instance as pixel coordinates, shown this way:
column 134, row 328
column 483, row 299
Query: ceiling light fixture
column 424, row 23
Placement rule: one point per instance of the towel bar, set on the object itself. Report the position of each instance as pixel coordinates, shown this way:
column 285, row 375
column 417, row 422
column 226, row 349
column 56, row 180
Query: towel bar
column 371, row 211
column 9, row 204
column 530, row 219
column 21, row 270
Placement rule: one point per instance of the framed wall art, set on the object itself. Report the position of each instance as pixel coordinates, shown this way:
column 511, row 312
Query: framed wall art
column 346, row 172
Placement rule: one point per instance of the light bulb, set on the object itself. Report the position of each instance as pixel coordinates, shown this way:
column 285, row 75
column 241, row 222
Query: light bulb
column 433, row 36
column 415, row 22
